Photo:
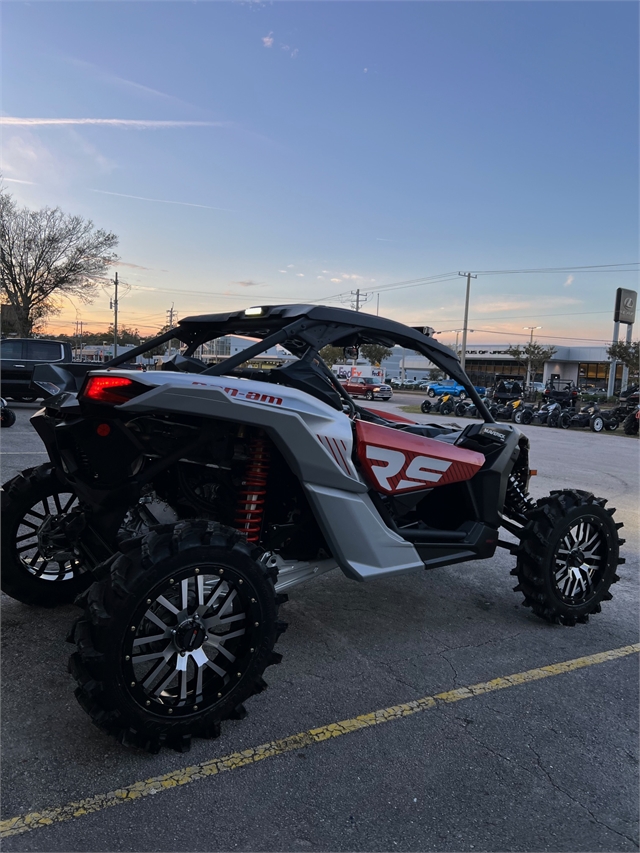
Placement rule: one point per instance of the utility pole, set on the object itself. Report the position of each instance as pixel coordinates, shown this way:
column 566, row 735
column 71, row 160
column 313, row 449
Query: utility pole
column 114, row 305
column 532, row 330
column 466, row 318
column 170, row 323
column 378, row 307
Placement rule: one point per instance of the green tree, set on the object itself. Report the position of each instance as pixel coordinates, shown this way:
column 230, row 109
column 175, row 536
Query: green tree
column 331, row 355
column 627, row 354
column 46, row 254
column 375, row 353
column 532, row 356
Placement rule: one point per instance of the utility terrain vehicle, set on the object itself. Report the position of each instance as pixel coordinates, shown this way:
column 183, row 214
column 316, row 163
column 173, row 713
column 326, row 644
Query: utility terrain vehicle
column 182, row 504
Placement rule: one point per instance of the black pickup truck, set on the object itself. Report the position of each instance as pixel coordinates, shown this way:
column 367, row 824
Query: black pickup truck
column 18, row 359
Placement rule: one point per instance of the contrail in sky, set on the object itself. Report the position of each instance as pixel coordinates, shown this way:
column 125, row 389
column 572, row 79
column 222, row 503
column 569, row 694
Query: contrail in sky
column 164, row 201
column 111, row 122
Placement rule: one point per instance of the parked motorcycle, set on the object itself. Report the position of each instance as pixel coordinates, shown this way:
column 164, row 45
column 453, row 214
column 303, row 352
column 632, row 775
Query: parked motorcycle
column 444, row 405
column 589, row 416
column 7, row 415
column 547, row 414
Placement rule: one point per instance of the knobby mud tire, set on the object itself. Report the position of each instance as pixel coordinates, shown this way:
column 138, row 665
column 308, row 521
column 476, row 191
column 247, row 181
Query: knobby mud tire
column 8, row 418
column 115, row 616
column 537, row 570
column 630, row 424
column 19, row 496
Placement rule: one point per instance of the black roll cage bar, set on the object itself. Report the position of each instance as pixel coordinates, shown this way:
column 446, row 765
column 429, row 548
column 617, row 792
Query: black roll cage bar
column 315, row 328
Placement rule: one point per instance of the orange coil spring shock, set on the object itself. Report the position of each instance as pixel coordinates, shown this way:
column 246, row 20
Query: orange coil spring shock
column 252, row 495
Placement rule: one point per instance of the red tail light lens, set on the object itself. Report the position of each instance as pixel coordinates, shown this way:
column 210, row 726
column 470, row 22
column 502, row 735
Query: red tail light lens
column 112, row 389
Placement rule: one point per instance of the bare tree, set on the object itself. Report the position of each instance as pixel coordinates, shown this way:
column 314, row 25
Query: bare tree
column 45, row 254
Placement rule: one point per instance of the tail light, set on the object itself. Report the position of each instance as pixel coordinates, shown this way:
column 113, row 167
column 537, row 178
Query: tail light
column 111, row 389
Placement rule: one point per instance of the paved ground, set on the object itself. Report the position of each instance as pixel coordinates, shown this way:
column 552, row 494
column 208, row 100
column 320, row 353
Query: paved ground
column 547, row 764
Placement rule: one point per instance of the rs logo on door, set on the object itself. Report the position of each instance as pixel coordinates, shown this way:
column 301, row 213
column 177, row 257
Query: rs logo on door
column 421, row 471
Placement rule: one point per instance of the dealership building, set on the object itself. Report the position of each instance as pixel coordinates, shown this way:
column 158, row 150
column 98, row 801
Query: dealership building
column 582, row 365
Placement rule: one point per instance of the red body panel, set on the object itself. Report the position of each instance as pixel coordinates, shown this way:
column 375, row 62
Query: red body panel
column 395, row 462
column 390, row 416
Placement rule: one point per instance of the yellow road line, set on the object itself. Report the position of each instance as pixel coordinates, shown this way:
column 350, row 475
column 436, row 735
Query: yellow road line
column 186, row 775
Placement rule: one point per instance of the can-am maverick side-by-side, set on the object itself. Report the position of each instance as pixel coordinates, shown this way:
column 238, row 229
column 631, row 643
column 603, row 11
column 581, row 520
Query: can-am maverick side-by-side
column 182, row 504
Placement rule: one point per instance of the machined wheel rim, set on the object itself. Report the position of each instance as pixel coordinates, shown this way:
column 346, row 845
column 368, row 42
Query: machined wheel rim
column 191, row 641
column 36, row 563
column 580, row 560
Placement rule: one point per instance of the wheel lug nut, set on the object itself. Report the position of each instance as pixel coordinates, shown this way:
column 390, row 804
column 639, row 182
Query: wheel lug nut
column 147, row 702
column 127, row 657
column 148, row 601
column 133, row 684
column 170, row 711
column 219, row 695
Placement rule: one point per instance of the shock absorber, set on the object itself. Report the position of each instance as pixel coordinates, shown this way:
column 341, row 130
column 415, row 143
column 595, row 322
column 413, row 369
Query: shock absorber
column 252, row 494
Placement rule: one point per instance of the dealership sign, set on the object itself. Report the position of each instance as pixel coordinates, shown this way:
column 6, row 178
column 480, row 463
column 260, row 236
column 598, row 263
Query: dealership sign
column 625, row 310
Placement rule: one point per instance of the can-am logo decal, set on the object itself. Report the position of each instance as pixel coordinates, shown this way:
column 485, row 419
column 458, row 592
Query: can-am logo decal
column 420, row 471
column 251, row 396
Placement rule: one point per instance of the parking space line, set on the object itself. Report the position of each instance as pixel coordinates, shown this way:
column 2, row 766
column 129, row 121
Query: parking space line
column 185, row 775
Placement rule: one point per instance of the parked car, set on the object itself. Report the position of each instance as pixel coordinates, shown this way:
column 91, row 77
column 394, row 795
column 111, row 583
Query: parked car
column 368, row 387
column 450, row 386
column 18, row 359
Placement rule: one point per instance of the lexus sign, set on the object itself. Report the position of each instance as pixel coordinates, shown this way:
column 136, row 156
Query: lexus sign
column 625, row 310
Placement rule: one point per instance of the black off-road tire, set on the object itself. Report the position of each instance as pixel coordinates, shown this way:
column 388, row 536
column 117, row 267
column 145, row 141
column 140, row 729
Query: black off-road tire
column 425, row 407
column 187, row 563
column 446, row 409
column 26, row 499
column 564, row 421
column 553, row 420
column 611, row 425
column 630, row 424
column 565, row 585
column 8, row 418
column 527, row 417
column 460, row 409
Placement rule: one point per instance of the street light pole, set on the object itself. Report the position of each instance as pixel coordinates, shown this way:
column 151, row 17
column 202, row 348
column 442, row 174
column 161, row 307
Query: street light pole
column 532, row 330
column 466, row 318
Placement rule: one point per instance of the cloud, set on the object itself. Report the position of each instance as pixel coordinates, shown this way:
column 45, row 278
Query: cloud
column 290, row 266
column 365, row 70
column 300, row 274
column 131, row 266
column 284, row 271
column 248, row 283
column 140, row 124
column 294, row 53
column 569, row 281
column 267, row 41
column 521, row 304
column 337, row 280
column 163, row 200
column 17, row 181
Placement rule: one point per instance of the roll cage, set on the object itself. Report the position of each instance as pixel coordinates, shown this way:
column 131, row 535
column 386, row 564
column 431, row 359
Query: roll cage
column 303, row 330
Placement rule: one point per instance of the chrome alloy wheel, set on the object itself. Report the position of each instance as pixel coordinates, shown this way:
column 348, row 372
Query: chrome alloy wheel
column 580, row 561
column 37, row 560
column 191, row 641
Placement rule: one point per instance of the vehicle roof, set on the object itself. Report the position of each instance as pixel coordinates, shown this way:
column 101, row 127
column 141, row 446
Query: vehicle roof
column 358, row 327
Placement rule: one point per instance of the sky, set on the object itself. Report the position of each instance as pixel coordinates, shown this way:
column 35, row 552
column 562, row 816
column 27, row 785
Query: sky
column 250, row 152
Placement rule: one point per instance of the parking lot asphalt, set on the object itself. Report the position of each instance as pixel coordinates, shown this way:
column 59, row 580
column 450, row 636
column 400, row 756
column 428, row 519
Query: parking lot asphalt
column 538, row 764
